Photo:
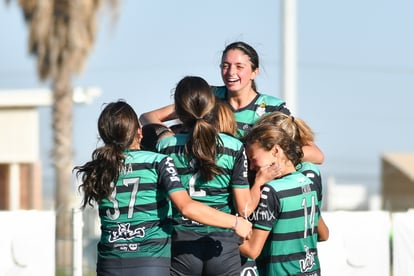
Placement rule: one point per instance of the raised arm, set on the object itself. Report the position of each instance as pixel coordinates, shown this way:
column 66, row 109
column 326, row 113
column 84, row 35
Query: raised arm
column 261, row 177
column 312, row 153
column 248, row 204
column 158, row 116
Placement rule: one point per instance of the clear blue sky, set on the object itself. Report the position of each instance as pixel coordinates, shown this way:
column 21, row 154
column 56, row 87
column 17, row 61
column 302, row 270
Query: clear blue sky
column 355, row 69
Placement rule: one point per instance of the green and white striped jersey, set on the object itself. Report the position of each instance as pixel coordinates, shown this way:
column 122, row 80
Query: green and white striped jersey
column 289, row 209
column 248, row 115
column 216, row 193
column 135, row 219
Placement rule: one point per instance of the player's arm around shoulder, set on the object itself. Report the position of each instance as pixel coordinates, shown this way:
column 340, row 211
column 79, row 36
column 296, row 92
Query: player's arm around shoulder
column 204, row 214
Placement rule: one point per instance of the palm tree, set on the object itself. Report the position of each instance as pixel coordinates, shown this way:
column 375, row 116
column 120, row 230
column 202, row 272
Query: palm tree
column 61, row 35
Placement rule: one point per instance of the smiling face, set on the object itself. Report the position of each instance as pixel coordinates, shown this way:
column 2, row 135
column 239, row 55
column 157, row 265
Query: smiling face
column 236, row 71
column 259, row 157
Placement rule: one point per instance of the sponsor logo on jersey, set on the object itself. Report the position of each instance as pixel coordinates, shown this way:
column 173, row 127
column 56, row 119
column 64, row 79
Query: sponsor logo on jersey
column 308, row 262
column 127, row 247
column 170, row 167
column 262, row 213
column 125, row 232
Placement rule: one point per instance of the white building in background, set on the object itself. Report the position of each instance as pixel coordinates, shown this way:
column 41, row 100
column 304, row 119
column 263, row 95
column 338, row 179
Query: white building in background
column 397, row 175
column 21, row 186
column 20, row 166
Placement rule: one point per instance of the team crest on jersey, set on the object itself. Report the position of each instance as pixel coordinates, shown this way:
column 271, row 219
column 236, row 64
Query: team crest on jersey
column 261, row 109
column 126, row 233
column 308, row 262
column 245, row 127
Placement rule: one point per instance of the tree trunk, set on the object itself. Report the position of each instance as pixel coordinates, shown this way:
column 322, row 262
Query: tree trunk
column 62, row 159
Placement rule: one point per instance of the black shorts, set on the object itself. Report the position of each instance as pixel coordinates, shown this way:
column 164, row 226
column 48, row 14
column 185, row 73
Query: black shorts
column 205, row 256
column 131, row 267
column 133, row 271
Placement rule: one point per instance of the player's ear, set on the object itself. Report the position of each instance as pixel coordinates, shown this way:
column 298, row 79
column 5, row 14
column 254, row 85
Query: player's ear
column 254, row 73
column 275, row 150
column 139, row 133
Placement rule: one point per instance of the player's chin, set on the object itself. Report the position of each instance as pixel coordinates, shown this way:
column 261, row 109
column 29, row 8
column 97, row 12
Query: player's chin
column 232, row 86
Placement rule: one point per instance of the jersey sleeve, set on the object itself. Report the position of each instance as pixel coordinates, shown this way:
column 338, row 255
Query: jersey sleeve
column 168, row 176
column 312, row 172
column 272, row 104
column 267, row 212
column 239, row 175
column 317, row 181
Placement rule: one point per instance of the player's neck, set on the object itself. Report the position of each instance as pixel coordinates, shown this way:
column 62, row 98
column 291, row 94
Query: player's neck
column 240, row 99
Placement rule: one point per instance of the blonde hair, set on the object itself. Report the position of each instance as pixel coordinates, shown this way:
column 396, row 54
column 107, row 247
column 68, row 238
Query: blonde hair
column 266, row 136
column 226, row 122
column 295, row 127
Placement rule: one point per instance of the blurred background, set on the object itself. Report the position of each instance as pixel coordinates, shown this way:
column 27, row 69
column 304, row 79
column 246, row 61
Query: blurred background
column 354, row 70
column 354, row 81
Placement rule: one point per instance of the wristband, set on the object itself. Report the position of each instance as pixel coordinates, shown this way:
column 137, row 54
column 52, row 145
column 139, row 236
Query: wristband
column 235, row 223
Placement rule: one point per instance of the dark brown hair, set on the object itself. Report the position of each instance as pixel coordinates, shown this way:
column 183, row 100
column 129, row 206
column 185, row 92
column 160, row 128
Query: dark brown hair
column 117, row 125
column 195, row 107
